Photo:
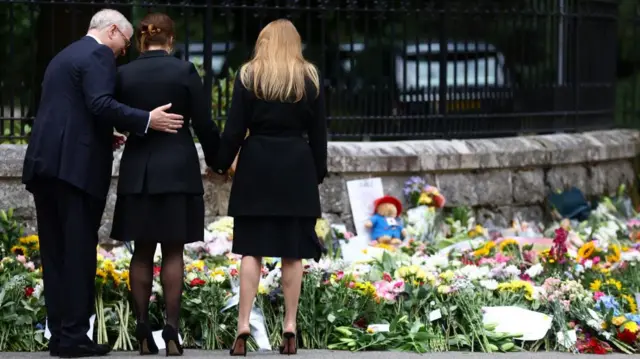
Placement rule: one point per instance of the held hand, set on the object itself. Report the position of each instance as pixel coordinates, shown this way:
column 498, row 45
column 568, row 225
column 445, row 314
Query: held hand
column 216, row 177
column 118, row 140
column 165, row 122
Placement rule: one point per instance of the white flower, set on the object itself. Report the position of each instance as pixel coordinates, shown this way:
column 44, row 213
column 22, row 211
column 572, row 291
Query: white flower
column 534, row 270
column 631, row 256
column 588, row 263
column 490, row 284
column 512, row 271
column 37, row 291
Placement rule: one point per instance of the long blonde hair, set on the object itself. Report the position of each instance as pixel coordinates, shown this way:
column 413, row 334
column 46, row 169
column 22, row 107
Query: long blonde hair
column 278, row 70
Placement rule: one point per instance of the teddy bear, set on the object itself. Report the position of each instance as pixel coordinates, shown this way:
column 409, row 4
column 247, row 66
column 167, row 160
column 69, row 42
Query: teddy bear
column 385, row 225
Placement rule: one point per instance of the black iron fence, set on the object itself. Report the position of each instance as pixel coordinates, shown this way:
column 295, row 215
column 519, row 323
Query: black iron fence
column 392, row 69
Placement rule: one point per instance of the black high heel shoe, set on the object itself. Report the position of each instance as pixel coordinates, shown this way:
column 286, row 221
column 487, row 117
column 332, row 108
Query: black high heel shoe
column 172, row 342
column 289, row 344
column 240, row 338
column 145, row 340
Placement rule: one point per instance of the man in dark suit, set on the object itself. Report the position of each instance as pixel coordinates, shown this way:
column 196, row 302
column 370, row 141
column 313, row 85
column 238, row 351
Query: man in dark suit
column 68, row 167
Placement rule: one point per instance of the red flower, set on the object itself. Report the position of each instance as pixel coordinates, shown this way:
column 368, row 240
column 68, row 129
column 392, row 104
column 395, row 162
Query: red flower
column 28, row 291
column 156, row 271
column 233, row 272
column 196, row 282
column 626, row 336
column 387, row 277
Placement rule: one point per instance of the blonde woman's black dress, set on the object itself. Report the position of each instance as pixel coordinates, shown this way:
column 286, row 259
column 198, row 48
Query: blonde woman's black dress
column 274, row 198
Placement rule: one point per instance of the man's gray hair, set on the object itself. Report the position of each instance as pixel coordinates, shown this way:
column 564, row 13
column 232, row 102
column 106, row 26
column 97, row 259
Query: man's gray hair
column 107, row 17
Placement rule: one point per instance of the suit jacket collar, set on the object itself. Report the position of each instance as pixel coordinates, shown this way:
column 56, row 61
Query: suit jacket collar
column 153, row 53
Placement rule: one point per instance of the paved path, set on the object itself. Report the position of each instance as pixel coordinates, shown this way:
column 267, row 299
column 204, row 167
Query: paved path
column 325, row 354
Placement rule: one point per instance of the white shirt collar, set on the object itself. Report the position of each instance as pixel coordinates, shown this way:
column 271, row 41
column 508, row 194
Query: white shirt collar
column 95, row 38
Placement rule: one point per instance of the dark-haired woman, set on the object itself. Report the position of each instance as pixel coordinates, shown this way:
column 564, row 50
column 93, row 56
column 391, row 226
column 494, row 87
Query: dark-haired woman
column 160, row 191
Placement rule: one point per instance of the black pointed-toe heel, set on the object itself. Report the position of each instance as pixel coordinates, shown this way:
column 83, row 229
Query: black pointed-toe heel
column 172, row 342
column 241, row 338
column 289, row 344
column 145, row 340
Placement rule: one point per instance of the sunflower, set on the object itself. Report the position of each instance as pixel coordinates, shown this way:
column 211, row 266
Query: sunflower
column 614, row 283
column 506, row 243
column 587, row 250
column 614, row 254
column 633, row 307
column 595, row 285
column 29, row 240
column 19, row 250
column 484, row 250
column 100, row 273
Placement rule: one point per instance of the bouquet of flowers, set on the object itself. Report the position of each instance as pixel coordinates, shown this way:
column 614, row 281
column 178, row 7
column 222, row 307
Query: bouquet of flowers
column 418, row 193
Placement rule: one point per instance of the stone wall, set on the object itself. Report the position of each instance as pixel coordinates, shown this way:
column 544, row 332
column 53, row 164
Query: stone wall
column 499, row 178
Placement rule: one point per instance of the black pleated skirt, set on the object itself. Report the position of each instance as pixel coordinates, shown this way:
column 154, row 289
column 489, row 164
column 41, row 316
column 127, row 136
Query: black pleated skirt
column 274, row 236
column 161, row 218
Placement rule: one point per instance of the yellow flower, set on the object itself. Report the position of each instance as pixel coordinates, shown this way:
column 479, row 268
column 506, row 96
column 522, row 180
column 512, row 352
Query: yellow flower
column 630, row 326
column 108, row 266
column 614, row 255
column 262, row 289
column 508, row 242
column 595, row 285
column 444, row 289
column 367, row 289
column 29, row 240
column 322, row 228
column 447, row 275
column 117, row 279
column 370, row 330
column 485, row 250
column 517, row 286
column 101, row 273
column 587, row 250
column 614, row 283
column 195, row 265
column 19, row 250
column 618, row 321
column 124, row 276
column 385, row 246
column 633, row 306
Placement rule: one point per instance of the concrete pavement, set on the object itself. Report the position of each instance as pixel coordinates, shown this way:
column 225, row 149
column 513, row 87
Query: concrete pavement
column 326, row 354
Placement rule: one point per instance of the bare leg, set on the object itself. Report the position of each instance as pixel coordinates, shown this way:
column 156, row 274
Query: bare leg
column 249, row 280
column 291, row 286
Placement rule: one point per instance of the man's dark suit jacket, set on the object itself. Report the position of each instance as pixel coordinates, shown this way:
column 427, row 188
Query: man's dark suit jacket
column 72, row 134
column 165, row 163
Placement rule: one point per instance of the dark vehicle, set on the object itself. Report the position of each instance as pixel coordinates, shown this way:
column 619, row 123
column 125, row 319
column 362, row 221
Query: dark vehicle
column 477, row 80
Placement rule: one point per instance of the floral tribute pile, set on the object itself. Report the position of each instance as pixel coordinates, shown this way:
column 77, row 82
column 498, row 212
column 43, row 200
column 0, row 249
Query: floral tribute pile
column 434, row 292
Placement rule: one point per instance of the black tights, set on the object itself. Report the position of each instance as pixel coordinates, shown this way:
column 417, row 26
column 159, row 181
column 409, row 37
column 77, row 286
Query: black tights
column 171, row 276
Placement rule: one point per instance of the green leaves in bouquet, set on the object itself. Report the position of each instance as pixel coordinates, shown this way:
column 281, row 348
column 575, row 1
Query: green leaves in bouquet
column 18, row 313
column 201, row 310
column 10, row 232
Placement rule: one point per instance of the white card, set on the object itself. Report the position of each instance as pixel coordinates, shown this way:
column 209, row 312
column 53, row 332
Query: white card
column 435, row 315
column 569, row 341
column 392, row 221
column 378, row 328
column 157, row 337
column 362, row 194
column 47, row 333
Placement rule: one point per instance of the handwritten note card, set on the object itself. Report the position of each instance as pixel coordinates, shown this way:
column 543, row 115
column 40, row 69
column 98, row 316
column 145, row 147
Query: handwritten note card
column 362, row 193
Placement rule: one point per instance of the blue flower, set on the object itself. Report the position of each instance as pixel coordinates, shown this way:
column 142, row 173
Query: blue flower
column 633, row 317
column 607, row 302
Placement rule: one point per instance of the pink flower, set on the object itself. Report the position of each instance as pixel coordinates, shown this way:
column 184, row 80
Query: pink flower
column 387, row 277
column 529, row 256
column 339, row 275
column 399, row 285
column 348, row 235
column 22, row 259
column 598, row 295
column 352, row 285
column 30, row 266
column 501, row 258
column 488, row 261
column 596, row 260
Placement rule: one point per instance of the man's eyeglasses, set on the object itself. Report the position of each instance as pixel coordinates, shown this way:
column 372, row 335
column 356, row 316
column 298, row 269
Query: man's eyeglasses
column 127, row 43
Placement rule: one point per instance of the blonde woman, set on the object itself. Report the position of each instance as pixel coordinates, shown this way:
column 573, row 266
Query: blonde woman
column 274, row 197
